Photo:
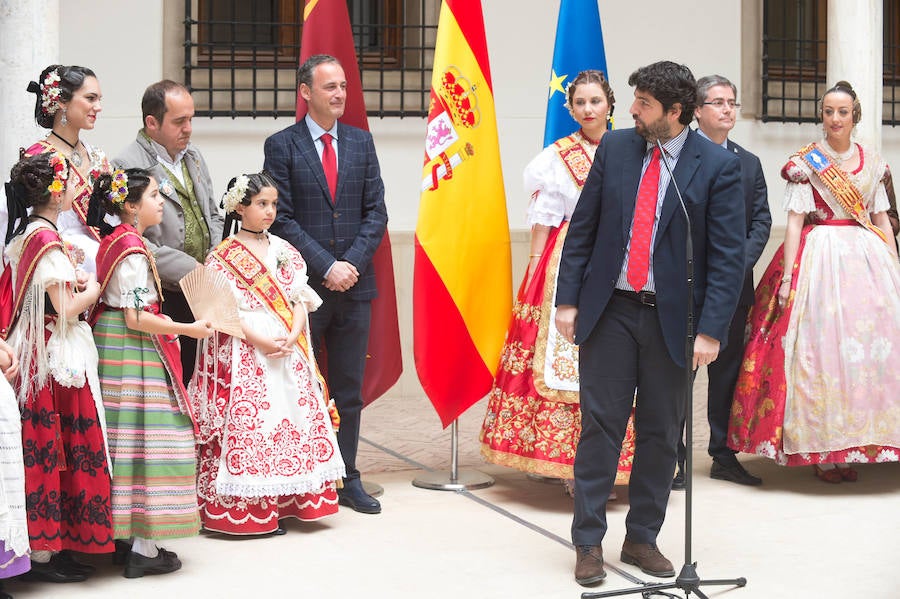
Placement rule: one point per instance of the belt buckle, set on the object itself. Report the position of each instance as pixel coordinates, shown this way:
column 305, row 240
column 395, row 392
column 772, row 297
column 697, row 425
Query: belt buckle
column 647, row 298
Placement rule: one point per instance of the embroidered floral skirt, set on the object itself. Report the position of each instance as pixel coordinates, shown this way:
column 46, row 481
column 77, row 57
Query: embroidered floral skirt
column 253, row 515
column 532, row 423
column 819, row 378
column 67, row 481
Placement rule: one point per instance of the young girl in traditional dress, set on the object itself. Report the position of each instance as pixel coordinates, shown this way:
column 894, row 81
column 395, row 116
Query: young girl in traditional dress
column 267, row 446
column 13, row 526
column 151, row 431
column 67, row 476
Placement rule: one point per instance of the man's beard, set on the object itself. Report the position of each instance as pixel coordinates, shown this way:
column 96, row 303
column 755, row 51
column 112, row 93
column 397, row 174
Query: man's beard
column 658, row 129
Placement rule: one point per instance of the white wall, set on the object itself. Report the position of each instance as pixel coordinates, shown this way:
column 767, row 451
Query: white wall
column 520, row 37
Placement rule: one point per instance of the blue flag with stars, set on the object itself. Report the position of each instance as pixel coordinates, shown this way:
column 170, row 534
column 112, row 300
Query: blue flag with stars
column 579, row 46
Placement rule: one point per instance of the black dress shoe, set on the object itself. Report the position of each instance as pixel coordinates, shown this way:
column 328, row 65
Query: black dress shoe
column 679, row 483
column 50, row 572
column 163, row 563
column 123, row 548
column 278, row 532
column 354, row 497
column 732, row 471
column 66, row 562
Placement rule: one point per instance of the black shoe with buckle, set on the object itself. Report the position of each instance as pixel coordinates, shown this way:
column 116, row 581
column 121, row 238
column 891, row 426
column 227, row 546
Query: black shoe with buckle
column 138, row 565
column 51, row 571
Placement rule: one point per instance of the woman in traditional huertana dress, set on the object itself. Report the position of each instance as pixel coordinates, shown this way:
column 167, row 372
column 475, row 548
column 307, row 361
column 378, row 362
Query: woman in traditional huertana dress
column 819, row 378
column 533, row 420
column 267, row 444
column 13, row 525
column 151, row 432
column 68, row 103
column 67, row 474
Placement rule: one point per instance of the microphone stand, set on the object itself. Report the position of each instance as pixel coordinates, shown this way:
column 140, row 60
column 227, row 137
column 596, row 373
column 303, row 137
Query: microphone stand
column 687, row 579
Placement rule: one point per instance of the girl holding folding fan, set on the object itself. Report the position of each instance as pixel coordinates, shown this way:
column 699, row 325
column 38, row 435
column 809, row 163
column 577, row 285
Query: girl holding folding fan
column 151, row 431
column 268, row 450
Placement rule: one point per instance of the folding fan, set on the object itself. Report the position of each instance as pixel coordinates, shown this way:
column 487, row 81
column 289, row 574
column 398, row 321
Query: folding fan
column 211, row 298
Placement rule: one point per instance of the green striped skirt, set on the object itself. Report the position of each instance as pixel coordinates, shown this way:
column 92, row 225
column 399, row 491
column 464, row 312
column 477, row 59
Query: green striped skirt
column 154, row 493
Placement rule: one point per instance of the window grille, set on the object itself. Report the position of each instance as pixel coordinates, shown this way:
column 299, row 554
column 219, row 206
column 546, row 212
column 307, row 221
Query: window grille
column 891, row 97
column 241, row 58
column 794, row 60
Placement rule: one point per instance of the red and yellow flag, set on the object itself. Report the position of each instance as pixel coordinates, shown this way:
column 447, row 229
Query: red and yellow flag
column 326, row 30
column 462, row 286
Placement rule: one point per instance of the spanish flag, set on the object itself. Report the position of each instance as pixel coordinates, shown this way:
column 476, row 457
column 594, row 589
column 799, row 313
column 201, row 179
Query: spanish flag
column 326, row 30
column 462, row 284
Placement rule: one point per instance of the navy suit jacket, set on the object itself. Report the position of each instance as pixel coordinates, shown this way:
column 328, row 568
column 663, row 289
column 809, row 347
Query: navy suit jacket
column 351, row 227
column 758, row 217
column 710, row 182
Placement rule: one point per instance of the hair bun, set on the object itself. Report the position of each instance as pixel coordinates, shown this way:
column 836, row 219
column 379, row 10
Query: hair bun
column 846, row 85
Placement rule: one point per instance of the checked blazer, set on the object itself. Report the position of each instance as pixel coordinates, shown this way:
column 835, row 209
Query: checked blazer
column 349, row 228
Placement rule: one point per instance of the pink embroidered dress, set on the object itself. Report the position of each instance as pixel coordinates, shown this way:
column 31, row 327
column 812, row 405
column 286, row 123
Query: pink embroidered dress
column 819, row 379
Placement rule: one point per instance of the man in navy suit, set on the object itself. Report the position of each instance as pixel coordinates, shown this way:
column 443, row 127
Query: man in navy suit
column 332, row 210
column 627, row 310
column 716, row 111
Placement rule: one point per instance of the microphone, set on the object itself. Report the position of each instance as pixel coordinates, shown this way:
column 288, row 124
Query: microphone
column 689, row 247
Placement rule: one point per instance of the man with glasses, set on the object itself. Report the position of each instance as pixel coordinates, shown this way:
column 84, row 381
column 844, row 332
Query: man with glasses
column 716, row 112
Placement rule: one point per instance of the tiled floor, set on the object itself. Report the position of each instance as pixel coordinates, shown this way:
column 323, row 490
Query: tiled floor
column 793, row 537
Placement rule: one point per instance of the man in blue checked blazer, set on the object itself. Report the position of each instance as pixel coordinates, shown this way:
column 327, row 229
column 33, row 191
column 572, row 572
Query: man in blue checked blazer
column 331, row 208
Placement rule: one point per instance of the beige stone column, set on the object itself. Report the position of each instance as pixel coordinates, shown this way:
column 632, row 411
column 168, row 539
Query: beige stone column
column 29, row 41
column 855, row 54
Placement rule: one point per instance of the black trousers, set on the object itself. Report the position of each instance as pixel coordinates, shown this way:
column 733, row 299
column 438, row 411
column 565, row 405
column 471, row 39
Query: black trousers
column 624, row 352
column 340, row 332
column 175, row 306
column 723, row 376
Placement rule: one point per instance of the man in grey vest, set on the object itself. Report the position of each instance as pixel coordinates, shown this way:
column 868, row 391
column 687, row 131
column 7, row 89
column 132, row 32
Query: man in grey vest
column 192, row 224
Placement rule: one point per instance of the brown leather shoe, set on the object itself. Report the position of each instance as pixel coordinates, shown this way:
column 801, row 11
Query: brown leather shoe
column 648, row 558
column 589, row 565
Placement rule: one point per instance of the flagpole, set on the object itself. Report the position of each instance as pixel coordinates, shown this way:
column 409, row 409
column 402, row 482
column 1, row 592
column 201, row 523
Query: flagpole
column 456, row 479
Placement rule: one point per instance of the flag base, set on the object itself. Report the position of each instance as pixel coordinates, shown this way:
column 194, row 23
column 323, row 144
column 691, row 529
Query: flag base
column 465, row 480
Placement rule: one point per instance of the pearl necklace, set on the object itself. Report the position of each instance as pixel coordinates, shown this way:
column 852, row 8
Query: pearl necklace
column 841, row 156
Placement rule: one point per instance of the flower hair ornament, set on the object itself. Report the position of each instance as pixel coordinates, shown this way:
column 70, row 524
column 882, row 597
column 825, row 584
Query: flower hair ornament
column 118, row 188
column 50, row 93
column 236, row 194
column 60, row 172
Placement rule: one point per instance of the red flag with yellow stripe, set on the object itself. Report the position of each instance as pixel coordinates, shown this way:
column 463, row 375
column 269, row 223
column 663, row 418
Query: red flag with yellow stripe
column 327, row 30
column 462, row 284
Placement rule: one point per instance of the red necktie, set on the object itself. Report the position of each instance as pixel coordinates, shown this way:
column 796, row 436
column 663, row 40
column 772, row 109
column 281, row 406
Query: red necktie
column 329, row 164
column 642, row 225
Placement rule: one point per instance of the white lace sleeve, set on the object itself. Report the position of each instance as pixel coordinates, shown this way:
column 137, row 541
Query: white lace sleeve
column 54, row 267
column 798, row 193
column 880, row 202
column 551, row 190
column 130, row 284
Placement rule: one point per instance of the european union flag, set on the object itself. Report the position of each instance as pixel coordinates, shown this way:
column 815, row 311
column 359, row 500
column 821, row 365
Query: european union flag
column 579, row 46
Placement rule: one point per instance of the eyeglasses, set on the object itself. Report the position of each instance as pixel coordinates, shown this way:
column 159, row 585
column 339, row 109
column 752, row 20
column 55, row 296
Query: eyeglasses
column 720, row 103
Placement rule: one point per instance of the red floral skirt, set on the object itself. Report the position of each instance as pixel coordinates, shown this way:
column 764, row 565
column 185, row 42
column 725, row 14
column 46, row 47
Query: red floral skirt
column 252, row 515
column 67, row 480
column 523, row 427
